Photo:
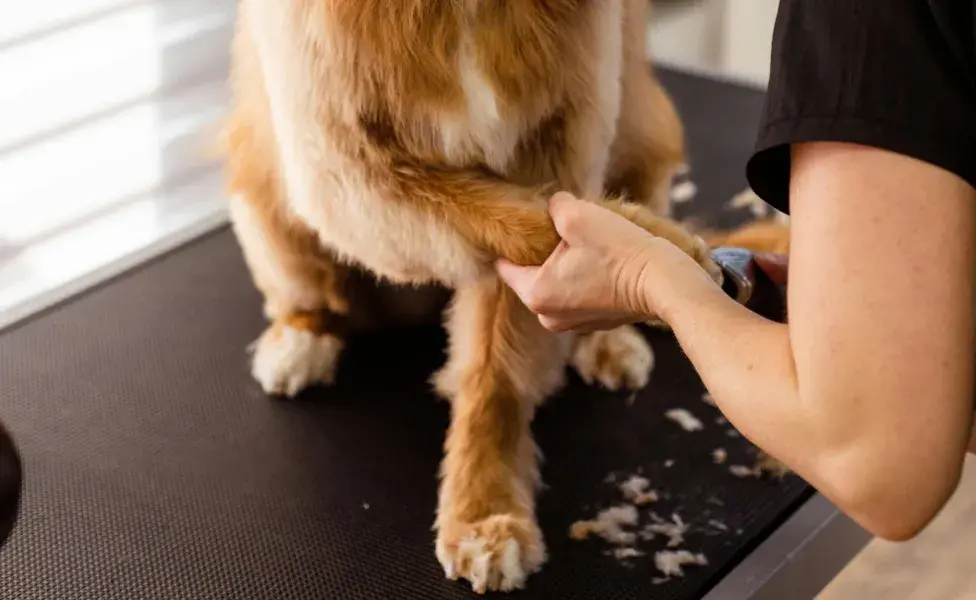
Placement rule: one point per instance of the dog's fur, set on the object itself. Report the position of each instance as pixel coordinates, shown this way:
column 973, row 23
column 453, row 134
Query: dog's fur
column 758, row 236
column 419, row 140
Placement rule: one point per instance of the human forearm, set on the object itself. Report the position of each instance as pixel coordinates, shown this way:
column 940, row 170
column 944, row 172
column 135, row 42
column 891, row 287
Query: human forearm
column 867, row 394
column 747, row 364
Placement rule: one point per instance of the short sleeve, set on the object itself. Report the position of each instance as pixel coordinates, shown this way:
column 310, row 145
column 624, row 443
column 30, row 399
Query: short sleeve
column 898, row 75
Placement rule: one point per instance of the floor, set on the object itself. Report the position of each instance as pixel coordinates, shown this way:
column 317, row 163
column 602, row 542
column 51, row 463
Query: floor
column 938, row 565
column 142, row 81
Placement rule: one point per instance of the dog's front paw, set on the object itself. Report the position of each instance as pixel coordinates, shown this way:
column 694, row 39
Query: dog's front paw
column 495, row 554
column 702, row 254
column 691, row 244
column 617, row 359
column 287, row 359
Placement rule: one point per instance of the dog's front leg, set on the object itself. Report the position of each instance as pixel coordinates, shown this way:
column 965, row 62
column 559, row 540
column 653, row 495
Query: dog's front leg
column 502, row 364
column 510, row 221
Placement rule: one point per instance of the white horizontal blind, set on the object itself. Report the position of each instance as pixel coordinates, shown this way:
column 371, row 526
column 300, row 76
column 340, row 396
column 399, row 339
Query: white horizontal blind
column 107, row 108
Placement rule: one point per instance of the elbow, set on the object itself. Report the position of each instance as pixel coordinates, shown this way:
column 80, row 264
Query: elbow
column 901, row 528
column 889, row 514
column 894, row 502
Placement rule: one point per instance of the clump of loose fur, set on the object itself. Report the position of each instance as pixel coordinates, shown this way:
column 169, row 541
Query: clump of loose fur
column 674, row 529
column 635, row 489
column 685, row 419
column 671, row 562
column 609, row 525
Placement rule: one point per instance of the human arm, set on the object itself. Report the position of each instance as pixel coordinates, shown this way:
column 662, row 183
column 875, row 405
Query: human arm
column 899, row 80
column 775, row 267
column 869, row 398
column 866, row 393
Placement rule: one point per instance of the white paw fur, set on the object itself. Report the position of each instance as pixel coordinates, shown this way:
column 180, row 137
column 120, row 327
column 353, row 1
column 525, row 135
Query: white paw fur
column 617, row 359
column 288, row 360
column 486, row 571
column 490, row 557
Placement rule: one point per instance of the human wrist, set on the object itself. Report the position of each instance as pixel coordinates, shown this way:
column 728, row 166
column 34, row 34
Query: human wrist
column 672, row 283
column 639, row 287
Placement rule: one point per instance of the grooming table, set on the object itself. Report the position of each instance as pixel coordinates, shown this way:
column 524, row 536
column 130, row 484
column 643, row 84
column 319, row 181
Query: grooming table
column 156, row 468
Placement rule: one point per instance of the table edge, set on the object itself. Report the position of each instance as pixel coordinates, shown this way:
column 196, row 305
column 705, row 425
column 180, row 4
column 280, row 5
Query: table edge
column 797, row 560
column 76, row 286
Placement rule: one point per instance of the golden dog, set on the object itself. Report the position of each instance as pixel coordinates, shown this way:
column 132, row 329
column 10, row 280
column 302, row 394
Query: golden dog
column 419, row 140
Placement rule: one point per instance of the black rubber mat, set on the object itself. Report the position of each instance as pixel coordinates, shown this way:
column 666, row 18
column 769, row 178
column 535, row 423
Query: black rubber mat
column 155, row 467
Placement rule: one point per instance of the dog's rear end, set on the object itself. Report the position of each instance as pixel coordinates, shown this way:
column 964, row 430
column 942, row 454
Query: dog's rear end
column 419, row 140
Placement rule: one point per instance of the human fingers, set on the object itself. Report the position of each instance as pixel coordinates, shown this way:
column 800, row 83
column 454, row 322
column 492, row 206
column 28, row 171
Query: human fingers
column 582, row 322
column 521, row 279
column 555, row 324
column 572, row 217
column 590, row 224
column 775, row 266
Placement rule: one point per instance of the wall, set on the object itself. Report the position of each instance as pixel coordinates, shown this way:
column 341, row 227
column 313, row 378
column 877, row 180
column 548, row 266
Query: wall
column 725, row 37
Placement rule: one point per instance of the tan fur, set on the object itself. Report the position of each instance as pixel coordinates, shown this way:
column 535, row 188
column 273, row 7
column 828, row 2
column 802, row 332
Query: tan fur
column 509, row 364
column 615, row 359
column 758, row 236
column 418, row 140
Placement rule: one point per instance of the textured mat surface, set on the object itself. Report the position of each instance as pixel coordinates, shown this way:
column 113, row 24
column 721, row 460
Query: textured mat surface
column 155, row 468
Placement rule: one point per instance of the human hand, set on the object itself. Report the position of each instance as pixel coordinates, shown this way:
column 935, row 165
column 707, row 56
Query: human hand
column 597, row 276
column 775, row 266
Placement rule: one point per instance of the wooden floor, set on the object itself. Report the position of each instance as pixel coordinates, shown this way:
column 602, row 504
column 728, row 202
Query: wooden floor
column 938, row 565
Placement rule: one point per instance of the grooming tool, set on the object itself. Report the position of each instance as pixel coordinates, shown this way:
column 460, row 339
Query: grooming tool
column 748, row 285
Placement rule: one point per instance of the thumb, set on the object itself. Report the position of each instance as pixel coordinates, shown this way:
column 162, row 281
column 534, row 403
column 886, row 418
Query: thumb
column 569, row 216
column 520, row 279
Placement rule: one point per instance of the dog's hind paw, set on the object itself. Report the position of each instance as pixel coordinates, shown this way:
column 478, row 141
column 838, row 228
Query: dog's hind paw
column 287, row 360
column 617, row 359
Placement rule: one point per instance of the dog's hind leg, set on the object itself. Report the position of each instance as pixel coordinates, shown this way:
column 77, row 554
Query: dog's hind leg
column 301, row 282
column 650, row 145
column 303, row 298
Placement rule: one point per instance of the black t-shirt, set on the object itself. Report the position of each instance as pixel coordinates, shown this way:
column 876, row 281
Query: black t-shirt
column 895, row 74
